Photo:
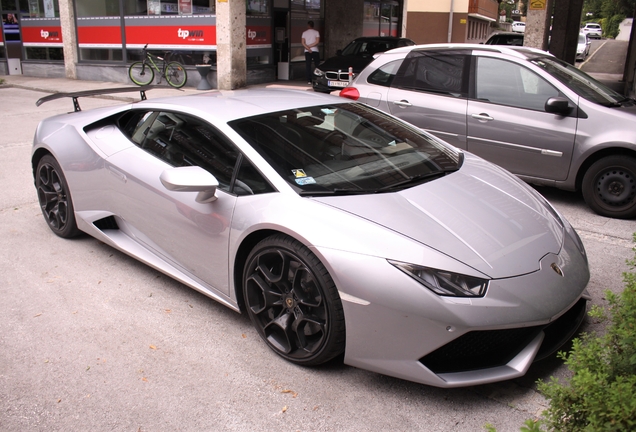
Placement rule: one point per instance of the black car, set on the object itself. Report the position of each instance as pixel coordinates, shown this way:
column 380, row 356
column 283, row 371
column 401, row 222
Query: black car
column 333, row 73
column 505, row 38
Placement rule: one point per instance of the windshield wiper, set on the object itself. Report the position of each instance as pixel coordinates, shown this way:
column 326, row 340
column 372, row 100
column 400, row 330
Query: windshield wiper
column 617, row 104
column 418, row 179
column 339, row 191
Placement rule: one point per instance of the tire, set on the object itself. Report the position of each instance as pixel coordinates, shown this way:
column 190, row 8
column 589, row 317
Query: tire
column 141, row 74
column 293, row 302
column 55, row 199
column 176, row 75
column 609, row 187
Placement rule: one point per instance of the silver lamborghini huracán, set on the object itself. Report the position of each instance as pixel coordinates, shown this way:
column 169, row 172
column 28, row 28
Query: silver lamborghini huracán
column 337, row 228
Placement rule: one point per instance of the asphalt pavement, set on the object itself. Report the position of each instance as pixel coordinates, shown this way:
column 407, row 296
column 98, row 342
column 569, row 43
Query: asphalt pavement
column 93, row 340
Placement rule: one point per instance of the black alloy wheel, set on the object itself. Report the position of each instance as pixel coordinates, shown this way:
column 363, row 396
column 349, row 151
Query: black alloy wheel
column 293, row 302
column 609, row 187
column 54, row 197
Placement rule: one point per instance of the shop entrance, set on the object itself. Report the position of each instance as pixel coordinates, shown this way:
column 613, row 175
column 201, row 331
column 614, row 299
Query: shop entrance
column 281, row 42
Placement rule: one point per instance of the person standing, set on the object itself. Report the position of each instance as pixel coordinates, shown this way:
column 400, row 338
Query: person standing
column 311, row 38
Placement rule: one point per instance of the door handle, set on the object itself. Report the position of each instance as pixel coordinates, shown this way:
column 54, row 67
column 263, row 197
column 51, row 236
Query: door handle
column 482, row 117
column 403, row 103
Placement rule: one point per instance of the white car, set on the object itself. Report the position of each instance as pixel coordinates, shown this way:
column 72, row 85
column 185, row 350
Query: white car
column 583, row 47
column 593, row 30
column 337, row 229
column 519, row 27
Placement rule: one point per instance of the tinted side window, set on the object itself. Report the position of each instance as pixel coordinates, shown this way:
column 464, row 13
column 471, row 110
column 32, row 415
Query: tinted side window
column 183, row 140
column 434, row 72
column 506, row 83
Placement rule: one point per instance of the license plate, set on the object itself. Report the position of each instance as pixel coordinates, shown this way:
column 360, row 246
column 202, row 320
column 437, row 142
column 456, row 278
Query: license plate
column 337, row 83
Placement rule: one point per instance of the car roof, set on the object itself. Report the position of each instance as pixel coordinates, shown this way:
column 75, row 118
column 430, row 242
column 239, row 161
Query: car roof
column 515, row 51
column 228, row 105
column 380, row 38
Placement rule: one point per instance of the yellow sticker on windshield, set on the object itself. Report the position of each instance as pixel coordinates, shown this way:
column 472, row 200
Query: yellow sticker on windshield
column 298, row 173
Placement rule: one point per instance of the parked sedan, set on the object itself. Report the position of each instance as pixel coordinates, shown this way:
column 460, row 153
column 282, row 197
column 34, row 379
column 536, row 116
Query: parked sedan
column 521, row 108
column 333, row 73
column 336, row 228
column 583, row 47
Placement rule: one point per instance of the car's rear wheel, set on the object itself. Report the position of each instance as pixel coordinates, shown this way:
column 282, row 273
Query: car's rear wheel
column 293, row 302
column 609, row 187
column 54, row 197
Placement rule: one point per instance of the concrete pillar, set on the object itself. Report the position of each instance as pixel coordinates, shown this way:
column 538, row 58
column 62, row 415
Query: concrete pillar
column 231, row 52
column 344, row 21
column 538, row 25
column 69, row 38
column 566, row 26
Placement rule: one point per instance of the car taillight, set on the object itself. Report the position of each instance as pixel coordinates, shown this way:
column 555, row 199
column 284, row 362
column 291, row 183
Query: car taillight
column 350, row 93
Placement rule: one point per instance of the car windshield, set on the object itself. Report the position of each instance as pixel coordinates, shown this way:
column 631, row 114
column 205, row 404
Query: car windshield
column 579, row 82
column 582, row 39
column 346, row 149
column 367, row 47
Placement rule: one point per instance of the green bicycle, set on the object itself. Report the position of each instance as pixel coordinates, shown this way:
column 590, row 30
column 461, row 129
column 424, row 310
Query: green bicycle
column 143, row 72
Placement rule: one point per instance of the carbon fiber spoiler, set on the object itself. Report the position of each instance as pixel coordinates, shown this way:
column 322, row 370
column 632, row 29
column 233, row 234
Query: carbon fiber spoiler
column 75, row 95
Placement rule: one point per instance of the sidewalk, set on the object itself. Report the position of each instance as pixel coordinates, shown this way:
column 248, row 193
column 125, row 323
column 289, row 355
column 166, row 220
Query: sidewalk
column 65, row 85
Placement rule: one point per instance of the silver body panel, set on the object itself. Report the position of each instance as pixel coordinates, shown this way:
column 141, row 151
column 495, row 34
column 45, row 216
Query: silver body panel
column 479, row 221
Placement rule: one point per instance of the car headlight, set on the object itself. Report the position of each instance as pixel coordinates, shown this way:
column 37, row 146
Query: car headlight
column 318, row 72
column 445, row 283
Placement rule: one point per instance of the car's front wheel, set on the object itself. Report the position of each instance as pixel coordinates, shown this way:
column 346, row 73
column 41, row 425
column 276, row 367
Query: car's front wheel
column 293, row 302
column 54, row 197
column 609, row 187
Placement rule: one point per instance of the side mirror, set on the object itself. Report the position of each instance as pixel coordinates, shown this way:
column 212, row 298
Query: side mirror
column 558, row 105
column 191, row 179
column 339, row 53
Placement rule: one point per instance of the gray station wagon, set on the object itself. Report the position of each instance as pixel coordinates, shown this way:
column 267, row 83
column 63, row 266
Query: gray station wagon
column 521, row 108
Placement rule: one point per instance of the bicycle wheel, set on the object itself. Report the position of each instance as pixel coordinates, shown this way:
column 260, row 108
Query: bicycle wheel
column 141, row 74
column 176, row 74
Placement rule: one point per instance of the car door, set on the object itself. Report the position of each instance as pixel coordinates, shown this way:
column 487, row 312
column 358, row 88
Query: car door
column 430, row 91
column 508, row 125
column 192, row 236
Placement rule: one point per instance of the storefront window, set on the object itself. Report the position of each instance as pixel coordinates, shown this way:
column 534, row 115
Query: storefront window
column 35, row 53
column 9, row 5
column 169, row 7
column 43, row 9
column 305, row 4
column 97, row 8
column 257, row 7
column 98, row 54
column 380, row 18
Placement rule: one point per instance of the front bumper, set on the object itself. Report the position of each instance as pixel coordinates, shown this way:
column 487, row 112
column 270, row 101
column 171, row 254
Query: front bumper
column 331, row 80
column 399, row 328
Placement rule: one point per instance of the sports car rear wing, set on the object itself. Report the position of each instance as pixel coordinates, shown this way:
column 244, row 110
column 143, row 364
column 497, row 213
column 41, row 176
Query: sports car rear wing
column 75, row 95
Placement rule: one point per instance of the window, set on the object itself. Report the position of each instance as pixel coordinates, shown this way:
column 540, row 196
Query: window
column 182, row 140
column 511, row 84
column 345, row 149
column 169, row 7
column 41, row 53
column 434, row 72
column 384, row 74
column 44, row 9
column 97, row 8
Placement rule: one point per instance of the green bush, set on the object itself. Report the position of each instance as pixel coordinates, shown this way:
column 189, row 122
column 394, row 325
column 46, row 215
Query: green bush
column 610, row 26
column 601, row 394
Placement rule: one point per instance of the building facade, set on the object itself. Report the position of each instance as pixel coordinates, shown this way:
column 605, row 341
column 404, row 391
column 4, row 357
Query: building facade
column 456, row 21
column 106, row 36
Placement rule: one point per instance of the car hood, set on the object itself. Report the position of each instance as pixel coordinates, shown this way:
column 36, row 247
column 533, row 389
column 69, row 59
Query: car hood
column 343, row 63
column 479, row 215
